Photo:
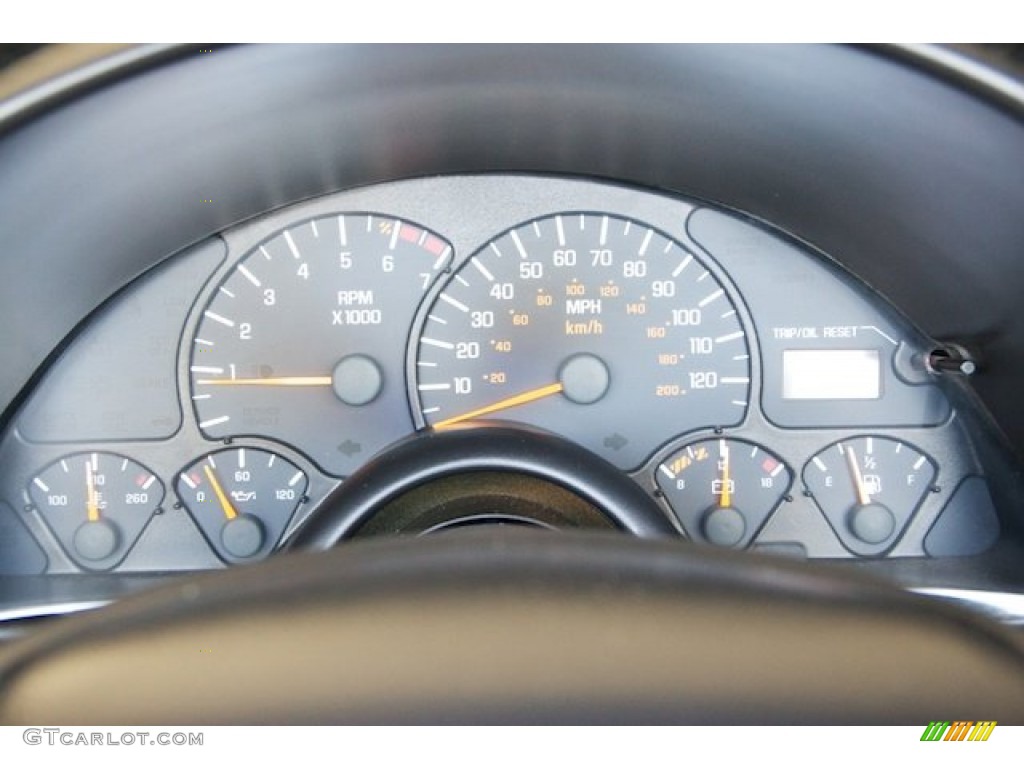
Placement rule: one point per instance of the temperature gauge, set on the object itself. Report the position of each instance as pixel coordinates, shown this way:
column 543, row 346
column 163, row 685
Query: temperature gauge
column 242, row 498
column 96, row 504
column 723, row 490
column 868, row 487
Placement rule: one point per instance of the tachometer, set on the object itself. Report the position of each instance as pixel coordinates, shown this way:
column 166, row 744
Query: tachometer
column 304, row 339
column 596, row 327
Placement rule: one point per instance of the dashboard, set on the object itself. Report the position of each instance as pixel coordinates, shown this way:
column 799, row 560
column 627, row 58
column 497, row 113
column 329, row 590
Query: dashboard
column 760, row 396
column 266, row 300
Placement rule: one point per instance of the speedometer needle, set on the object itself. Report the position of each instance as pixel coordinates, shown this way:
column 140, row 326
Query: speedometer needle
column 509, row 402
column 279, row 381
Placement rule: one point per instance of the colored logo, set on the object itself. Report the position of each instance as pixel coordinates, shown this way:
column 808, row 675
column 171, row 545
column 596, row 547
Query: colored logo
column 960, row 730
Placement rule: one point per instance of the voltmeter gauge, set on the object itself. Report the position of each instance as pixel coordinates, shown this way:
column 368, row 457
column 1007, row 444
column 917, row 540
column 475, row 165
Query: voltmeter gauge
column 96, row 504
column 722, row 490
column 242, row 499
column 868, row 487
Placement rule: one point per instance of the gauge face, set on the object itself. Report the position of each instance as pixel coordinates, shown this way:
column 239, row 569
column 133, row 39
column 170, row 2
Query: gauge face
column 868, row 487
column 571, row 321
column 304, row 340
column 723, row 490
column 96, row 504
column 242, row 498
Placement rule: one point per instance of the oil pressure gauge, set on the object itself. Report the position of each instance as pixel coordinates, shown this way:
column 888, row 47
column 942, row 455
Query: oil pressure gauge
column 868, row 487
column 242, row 498
column 723, row 490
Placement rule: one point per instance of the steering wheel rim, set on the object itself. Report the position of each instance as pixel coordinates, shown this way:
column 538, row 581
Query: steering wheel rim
column 426, row 459
column 517, row 626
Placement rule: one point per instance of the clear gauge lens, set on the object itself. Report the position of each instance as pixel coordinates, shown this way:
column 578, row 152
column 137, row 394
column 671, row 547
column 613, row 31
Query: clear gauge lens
column 242, row 499
column 96, row 504
column 304, row 340
column 571, row 321
column 723, row 490
column 868, row 487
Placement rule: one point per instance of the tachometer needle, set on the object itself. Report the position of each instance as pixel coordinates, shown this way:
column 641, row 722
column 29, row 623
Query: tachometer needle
column 225, row 503
column 279, row 381
column 92, row 508
column 863, row 497
column 509, row 402
column 725, row 499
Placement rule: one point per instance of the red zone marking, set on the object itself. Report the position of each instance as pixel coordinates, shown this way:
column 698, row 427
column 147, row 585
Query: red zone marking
column 413, row 234
column 769, row 465
column 435, row 245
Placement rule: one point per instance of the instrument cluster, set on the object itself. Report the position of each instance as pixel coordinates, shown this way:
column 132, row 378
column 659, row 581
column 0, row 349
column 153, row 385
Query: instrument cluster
column 760, row 396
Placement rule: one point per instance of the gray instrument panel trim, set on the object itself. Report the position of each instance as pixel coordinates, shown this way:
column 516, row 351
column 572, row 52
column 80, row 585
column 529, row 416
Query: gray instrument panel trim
column 498, row 202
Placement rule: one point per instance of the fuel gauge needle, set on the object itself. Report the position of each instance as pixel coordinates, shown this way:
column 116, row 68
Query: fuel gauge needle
column 509, row 402
column 92, row 508
column 863, row 497
column 225, row 504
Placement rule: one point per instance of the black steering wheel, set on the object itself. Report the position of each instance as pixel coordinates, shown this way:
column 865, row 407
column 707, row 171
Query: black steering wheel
column 500, row 624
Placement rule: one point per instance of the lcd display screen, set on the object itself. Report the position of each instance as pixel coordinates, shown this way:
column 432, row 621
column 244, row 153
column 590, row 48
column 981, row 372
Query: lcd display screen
column 831, row 374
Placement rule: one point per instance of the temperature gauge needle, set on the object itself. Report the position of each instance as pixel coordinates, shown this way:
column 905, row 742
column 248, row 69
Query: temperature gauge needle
column 279, row 381
column 863, row 497
column 510, row 402
column 725, row 499
column 92, row 508
column 229, row 511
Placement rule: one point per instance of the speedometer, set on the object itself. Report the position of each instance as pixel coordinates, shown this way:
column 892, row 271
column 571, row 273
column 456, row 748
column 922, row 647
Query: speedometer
column 596, row 327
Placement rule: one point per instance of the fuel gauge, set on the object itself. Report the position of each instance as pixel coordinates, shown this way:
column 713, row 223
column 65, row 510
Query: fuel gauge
column 242, row 498
column 723, row 490
column 868, row 487
column 96, row 504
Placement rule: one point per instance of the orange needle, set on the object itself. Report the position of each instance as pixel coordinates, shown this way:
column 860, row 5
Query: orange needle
column 280, row 381
column 91, row 507
column 725, row 500
column 225, row 504
column 863, row 498
column 501, row 405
